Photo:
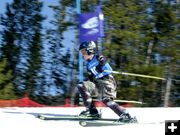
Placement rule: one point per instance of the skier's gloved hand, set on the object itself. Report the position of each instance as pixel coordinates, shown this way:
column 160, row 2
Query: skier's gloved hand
column 102, row 61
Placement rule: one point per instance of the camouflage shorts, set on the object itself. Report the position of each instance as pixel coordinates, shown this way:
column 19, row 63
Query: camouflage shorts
column 101, row 88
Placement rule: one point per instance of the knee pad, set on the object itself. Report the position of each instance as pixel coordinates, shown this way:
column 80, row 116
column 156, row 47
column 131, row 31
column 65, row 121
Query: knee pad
column 108, row 102
column 81, row 87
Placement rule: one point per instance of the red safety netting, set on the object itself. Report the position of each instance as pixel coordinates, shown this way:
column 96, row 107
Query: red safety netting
column 23, row 102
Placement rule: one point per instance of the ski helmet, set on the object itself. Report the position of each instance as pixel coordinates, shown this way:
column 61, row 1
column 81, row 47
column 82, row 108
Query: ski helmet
column 90, row 47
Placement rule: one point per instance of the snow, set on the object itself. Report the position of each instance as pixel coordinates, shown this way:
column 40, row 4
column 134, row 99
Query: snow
column 22, row 121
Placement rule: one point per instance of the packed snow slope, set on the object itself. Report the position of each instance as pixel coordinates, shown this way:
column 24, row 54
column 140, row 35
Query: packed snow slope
column 23, row 121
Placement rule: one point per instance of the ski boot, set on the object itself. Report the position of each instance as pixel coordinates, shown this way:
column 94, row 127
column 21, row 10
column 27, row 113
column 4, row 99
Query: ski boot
column 126, row 118
column 91, row 113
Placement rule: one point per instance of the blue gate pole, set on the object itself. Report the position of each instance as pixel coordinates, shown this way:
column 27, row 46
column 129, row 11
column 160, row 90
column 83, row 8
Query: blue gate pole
column 78, row 6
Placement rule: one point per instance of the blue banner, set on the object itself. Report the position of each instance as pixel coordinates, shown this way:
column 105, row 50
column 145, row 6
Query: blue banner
column 89, row 27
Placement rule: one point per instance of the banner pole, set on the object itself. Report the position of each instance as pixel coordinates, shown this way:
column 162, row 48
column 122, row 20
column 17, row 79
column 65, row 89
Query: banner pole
column 78, row 6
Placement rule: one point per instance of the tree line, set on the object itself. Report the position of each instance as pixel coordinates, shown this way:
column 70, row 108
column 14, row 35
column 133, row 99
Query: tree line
column 140, row 37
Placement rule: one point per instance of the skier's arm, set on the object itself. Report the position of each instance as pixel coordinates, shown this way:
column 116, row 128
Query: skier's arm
column 103, row 73
column 103, row 65
column 90, row 76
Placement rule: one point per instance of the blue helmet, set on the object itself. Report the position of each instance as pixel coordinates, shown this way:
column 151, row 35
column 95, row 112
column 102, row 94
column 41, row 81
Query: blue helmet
column 90, row 47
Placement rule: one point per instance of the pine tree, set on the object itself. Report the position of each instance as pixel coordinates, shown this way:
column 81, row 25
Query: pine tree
column 35, row 49
column 9, row 50
column 35, row 64
column 166, row 24
column 138, row 41
column 59, row 61
column 29, row 19
column 123, row 44
column 22, row 24
column 6, row 85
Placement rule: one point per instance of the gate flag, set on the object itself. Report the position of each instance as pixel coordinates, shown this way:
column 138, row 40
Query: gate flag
column 89, row 27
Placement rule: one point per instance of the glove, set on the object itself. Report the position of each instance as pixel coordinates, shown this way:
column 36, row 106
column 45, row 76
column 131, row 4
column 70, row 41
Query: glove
column 102, row 61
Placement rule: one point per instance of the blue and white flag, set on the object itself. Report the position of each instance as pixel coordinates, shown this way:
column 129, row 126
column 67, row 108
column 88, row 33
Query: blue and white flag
column 89, row 27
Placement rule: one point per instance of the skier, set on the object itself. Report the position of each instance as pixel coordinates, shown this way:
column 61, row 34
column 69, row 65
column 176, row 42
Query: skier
column 100, row 83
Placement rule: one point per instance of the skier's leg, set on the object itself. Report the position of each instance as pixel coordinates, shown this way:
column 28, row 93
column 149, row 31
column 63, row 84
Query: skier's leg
column 85, row 90
column 85, row 94
column 113, row 106
column 107, row 87
column 124, row 116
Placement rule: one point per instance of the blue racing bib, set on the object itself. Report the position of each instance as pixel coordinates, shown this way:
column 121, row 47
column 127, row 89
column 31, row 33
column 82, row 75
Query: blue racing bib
column 98, row 73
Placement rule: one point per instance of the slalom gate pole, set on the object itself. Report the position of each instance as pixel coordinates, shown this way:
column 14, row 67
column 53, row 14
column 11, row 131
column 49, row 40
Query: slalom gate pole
column 138, row 75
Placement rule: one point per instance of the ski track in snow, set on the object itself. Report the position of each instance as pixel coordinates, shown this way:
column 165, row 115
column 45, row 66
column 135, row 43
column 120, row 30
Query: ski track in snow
column 22, row 121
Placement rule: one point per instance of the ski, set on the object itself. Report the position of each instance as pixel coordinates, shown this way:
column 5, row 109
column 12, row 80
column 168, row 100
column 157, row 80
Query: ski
column 106, row 122
column 74, row 118
column 90, row 121
column 64, row 117
column 86, row 123
column 99, row 123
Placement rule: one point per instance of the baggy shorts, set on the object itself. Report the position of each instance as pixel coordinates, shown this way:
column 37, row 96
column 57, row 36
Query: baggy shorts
column 102, row 88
